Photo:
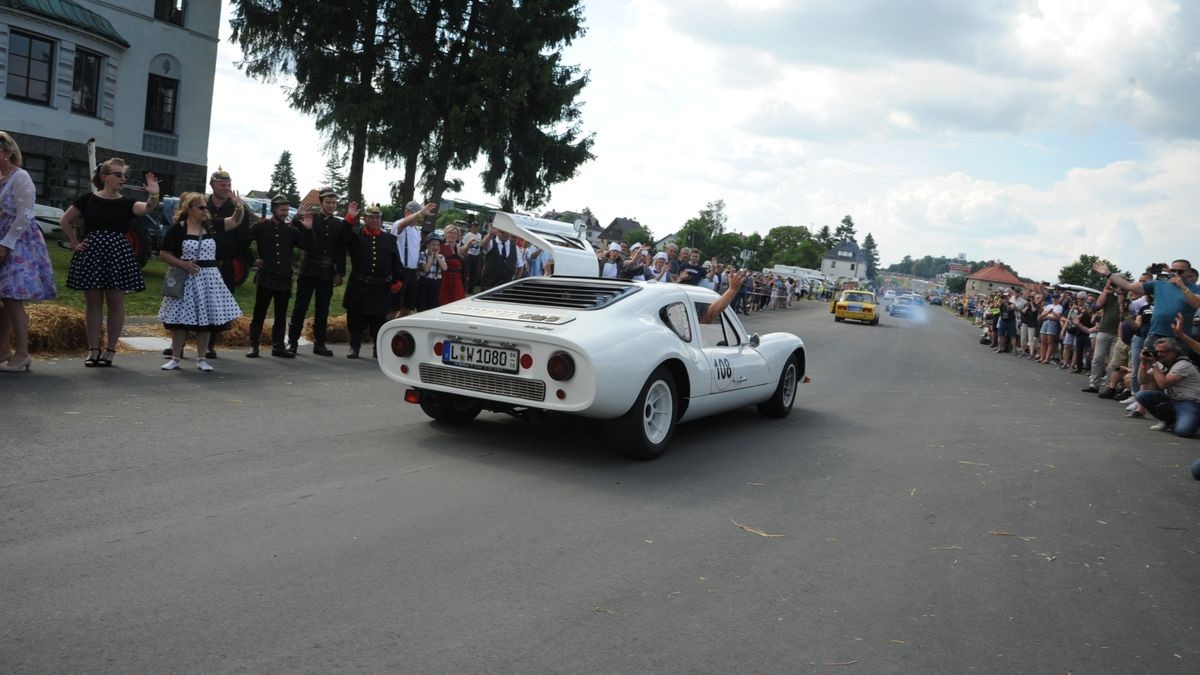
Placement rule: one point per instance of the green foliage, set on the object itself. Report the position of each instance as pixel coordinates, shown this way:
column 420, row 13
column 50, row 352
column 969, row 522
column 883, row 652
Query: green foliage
column 698, row 231
column 870, row 251
column 635, row 235
column 431, row 85
column 929, row 267
column 283, row 179
column 446, row 217
column 334, row 177
column 825, row 239
column 1081, row 273
column 845, row 231
column 956, row 284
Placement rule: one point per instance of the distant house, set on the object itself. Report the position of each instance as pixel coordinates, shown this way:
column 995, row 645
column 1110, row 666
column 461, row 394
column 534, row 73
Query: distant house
column 844, row 261
column 618, row 227
column 994, row 277
column 591, row 226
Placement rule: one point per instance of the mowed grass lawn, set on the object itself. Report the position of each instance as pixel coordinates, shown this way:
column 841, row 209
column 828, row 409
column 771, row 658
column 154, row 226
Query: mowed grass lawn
column 146, row 303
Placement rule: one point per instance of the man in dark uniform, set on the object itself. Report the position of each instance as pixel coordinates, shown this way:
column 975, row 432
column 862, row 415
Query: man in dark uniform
column 317, row 272
column 499, row 259
column 374, row 267
column 274, row 240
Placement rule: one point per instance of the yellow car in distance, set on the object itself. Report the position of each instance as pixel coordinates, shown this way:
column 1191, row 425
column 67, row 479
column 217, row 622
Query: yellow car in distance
column 856, row 306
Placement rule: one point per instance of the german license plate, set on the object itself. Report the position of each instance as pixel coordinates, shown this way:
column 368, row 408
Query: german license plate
column 480, row 357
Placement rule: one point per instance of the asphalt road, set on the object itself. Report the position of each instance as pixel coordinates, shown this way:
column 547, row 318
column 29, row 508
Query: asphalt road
column 941, row 509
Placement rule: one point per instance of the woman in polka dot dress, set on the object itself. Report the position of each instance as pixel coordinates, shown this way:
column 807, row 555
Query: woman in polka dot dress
column 103, row 266
column 207, row 305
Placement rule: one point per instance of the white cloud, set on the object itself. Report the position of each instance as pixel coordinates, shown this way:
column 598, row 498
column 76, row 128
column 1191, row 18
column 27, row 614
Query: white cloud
column 799, row 113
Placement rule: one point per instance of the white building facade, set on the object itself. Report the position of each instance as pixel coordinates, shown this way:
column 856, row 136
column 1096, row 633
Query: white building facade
column 844, row 261
column 135, row 75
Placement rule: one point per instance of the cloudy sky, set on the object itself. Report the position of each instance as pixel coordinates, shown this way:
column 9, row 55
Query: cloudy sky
column 1022, row 131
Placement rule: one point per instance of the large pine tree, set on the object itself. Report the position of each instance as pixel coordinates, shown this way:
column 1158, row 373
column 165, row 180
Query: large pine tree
column 335, row 177
column 283, row 179
column 870, row 251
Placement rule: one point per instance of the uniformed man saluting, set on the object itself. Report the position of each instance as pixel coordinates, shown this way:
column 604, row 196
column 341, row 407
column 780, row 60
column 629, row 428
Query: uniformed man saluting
column 274, row 239
column 374, row 267
column 317, row 273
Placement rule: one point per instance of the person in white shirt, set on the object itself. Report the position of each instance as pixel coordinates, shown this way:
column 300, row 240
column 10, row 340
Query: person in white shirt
column 469, row 249
column 408, row 244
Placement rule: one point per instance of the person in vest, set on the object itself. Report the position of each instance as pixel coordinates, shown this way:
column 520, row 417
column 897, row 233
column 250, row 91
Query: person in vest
column 274, row 239
column 317, row 273
column 231, row 244
column 500, row 261
column 374, row 268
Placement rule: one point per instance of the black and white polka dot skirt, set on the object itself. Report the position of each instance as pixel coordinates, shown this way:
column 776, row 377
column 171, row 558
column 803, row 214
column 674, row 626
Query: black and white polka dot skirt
column 106, row 262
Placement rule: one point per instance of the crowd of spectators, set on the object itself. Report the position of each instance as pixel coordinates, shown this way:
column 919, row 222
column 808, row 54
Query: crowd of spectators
column 760, row 291
column 1137, row 341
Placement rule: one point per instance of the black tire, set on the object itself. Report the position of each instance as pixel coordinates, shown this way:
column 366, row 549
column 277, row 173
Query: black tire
column 838, row 318
column 875, row 322
column 780, row 403
column 449, row 408
column 140, row 241
column 643, row 432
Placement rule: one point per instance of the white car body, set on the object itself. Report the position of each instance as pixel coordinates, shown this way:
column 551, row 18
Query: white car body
column 618, row 333
column 48, row 218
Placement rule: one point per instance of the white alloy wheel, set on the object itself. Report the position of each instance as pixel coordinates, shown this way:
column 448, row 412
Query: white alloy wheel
column 658, row 412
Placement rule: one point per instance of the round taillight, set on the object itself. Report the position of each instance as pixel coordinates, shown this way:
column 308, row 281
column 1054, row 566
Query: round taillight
column 526, row 361
column 561, row 366
column 438, row 347
column 403, row 344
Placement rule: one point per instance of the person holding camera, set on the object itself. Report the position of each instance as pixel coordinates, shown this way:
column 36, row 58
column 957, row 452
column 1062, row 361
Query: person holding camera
column 431, row 266
column 1172, row 290
column 1170, row 388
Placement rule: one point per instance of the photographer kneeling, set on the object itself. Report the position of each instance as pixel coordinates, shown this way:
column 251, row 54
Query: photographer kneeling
column 1170, row 388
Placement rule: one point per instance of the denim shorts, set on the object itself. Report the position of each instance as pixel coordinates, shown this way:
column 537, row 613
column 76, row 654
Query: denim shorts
column 1050, row 327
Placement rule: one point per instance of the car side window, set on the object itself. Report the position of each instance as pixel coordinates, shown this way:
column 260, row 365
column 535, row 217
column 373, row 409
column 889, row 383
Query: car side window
column 718, row 333
column 676, row 317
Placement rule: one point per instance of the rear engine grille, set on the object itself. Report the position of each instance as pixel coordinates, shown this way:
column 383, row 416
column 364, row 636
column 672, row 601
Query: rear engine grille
column 483, row 382
column 560, row 293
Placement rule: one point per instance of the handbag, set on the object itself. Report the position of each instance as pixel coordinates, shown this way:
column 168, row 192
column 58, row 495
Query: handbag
column 173, row 282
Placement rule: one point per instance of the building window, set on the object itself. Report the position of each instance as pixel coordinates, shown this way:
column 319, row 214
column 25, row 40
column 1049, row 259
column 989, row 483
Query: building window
column 170, row 10
column 85, row 89
column 77, row 180
column 35, row 166
column 162, row 93
column 29, row 61
column 166, row 184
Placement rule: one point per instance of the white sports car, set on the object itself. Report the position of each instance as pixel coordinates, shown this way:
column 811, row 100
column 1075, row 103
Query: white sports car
column 632, row 354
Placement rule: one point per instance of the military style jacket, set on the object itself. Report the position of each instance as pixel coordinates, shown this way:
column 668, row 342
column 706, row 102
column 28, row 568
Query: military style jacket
column 274, row 241
column 318, row 260
column 374, row 267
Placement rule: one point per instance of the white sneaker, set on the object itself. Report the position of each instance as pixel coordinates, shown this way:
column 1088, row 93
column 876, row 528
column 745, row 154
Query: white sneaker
column 173, row 364
column 1161, row 426
column 1129, row 400
column 1131, row 406
column 202, row 365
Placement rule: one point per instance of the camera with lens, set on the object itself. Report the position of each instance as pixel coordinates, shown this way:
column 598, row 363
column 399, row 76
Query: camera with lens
column 1148, row 354
column 1158, row 271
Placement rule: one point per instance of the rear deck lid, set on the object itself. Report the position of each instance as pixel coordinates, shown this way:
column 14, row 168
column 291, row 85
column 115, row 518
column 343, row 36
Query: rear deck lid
column 573, row 254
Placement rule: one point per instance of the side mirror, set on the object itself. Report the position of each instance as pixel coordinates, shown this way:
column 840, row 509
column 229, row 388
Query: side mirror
column 754, row 341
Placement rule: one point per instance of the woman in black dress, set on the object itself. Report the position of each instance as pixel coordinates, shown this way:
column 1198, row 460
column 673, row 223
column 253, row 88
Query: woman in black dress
column 103, row 266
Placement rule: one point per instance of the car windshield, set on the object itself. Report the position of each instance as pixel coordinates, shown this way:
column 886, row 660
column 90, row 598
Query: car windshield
column 856, row 297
